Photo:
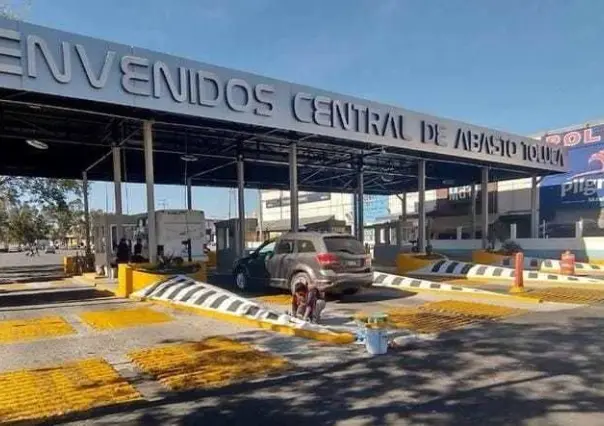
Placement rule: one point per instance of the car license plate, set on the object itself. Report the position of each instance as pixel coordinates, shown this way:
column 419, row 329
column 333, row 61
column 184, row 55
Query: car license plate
column 351, row 262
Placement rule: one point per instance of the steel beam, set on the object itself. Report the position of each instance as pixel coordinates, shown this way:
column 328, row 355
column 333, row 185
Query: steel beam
column 150, row 181
column 534, row 208
column 421, row 192
column 293, row 187
column 484, row 187
column 241, row 205
column 86, row 213
column 117, row 187
column 360, row 196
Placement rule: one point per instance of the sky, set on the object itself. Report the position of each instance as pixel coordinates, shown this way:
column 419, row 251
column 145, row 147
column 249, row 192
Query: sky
column 518, row 65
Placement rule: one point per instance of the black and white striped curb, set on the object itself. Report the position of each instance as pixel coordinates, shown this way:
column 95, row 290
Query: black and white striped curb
column 456, row 269
column 185, row 291
column 552, row 265
column 381, row 279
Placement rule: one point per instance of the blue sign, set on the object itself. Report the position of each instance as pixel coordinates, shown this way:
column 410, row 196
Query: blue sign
column 374, row 206
column 583, row 186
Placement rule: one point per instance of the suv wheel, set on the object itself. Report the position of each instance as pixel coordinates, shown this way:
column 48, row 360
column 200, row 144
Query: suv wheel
column 242, row 280
column 300, row 277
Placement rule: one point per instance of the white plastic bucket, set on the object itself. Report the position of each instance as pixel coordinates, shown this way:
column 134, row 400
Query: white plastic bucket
column 376, row 341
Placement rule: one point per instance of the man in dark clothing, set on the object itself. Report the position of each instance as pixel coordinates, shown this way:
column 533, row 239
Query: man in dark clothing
column 138, row 247
column 123, row 252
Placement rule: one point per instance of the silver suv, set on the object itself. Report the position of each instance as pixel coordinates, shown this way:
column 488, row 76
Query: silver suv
column 335, row 262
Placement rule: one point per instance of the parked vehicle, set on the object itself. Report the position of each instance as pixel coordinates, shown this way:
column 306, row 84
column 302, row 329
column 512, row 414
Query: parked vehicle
column 337, row 263
column 50, row 250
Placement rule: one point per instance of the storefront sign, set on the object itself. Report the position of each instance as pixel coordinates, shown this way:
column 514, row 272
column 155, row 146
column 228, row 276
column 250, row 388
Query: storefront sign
column 310, row 197
column 42, row 60
column 583, row 186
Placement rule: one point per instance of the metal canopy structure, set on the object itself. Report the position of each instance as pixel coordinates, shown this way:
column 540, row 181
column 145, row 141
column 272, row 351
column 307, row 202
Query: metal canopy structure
column 82, row 96
column 81, row 136
column 105, row 111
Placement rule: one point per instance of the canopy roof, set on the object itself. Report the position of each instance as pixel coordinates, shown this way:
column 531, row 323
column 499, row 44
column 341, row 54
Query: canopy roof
column 81, row 96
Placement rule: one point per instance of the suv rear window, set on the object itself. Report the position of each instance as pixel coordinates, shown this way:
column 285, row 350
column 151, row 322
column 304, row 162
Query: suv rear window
column 344, row 244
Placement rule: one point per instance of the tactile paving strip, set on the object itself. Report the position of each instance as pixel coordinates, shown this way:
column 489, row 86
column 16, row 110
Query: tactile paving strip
column 478, row 310
column 12, row 331
column 121, row 318
column 427, row 322
column 211, row 363
column 44, row 393
column 568, row 295
column 435, row 317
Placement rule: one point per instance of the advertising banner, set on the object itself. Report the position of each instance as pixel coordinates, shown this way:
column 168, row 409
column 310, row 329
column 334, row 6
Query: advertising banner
column 583, row 186
column 374, row 207
column 309, row 197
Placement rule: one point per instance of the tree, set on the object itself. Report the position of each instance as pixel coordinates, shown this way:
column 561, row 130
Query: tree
column 15, row 9
column 26, row 224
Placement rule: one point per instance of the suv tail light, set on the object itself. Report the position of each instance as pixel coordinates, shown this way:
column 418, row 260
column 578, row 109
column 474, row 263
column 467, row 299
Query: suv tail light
column 327, row 259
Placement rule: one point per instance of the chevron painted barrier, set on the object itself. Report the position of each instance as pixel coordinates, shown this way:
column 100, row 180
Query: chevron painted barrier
column 381, row 279
column 215, row 302
column 535, row 263
column 454, row 269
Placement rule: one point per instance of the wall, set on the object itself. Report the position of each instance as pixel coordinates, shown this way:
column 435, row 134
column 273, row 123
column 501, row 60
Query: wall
column 396, row 206
column 514, row 196
column 585, row 249
column 339, row 205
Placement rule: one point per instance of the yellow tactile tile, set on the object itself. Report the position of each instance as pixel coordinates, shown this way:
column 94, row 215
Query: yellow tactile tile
column 276, row 299
column 427, row 322
column 40, row 394
column 479, row 310
column 12, row 331
column 568, row 295
column 121, row 318
column 213, row 362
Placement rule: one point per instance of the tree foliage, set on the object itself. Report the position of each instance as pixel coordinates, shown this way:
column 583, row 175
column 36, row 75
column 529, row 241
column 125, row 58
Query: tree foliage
column 38, row 208
column 14, row 9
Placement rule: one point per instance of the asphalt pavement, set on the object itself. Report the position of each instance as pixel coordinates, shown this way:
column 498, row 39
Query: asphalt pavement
column 542, row 368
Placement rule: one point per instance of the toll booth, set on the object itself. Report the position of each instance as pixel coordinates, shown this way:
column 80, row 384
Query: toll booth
column 272, row 229
column 226, row 241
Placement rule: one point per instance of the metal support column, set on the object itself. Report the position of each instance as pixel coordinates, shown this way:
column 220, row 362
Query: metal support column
column 473, row 211
column 355, row 214
column 360, row 197
column 189, row 194
column 421, row 206
column 189, row 209
column 117, row 186
column 403, row 226
column 241, row 205
column 484, row 189
column 293, row 187
column 86, row 213
column 150, row 181
column 534, row 208
column 260, row 224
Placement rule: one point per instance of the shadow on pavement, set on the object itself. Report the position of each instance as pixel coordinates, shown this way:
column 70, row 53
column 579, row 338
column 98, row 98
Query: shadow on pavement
column 543, row 370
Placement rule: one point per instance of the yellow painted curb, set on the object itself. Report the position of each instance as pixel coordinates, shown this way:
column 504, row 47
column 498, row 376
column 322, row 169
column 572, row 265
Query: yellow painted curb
column 484, row 257
column 334, row 338
column 408, row 262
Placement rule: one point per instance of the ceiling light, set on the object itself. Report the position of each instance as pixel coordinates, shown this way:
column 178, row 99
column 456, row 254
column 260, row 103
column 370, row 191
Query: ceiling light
column 188, row 158
column 37, row 144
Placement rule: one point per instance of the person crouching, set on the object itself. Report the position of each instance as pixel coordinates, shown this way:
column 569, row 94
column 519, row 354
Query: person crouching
column 308, row 302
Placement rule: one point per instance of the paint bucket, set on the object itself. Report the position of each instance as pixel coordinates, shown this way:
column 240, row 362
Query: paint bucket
column 376, row 341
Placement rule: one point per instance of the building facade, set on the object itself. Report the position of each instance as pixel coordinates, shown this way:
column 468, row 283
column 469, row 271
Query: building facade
column 563, row 200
